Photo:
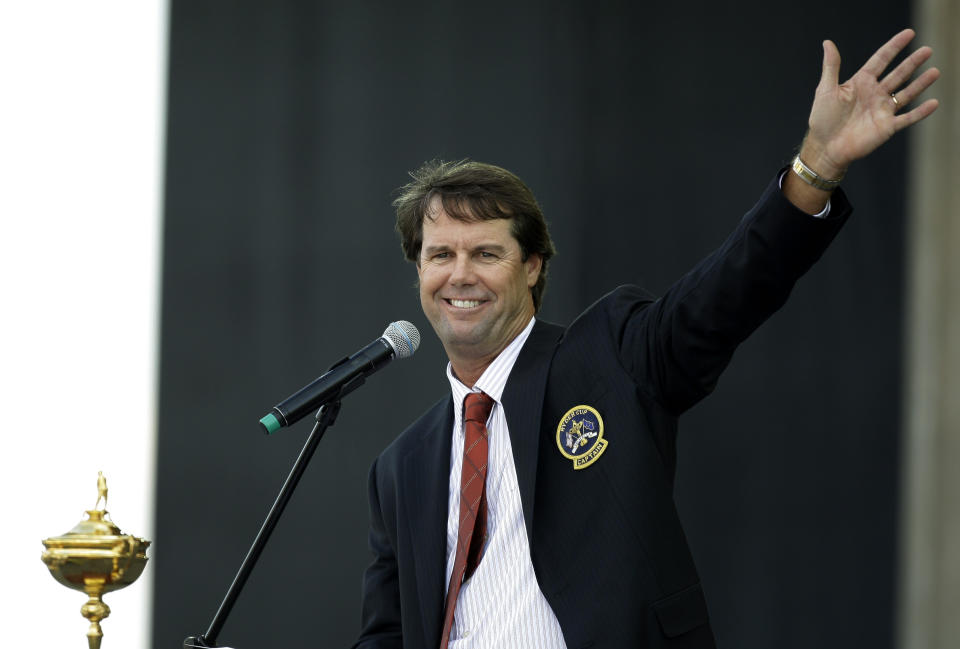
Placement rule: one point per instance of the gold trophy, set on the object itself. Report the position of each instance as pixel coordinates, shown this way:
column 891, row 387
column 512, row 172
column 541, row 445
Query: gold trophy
column 95, row 557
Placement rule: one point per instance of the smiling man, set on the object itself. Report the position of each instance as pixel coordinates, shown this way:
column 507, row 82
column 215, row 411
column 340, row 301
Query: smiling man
column 475, row 281
column 501, row 517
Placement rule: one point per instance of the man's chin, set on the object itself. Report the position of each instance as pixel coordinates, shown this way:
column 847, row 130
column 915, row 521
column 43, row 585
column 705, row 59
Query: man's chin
column 463, row 339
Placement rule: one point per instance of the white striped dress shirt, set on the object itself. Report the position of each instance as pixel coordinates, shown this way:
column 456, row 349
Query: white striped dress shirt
column 501, row 605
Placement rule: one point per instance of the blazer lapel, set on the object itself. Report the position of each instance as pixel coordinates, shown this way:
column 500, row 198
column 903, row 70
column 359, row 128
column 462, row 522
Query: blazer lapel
column 426, row 474
column 523, row 403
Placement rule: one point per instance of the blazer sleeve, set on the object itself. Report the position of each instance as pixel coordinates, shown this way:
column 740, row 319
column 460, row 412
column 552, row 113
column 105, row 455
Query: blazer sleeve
column 380, row 621
column 678, row 345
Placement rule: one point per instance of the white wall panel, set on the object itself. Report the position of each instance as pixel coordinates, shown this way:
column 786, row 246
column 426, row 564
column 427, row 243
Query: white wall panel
column 81, row 130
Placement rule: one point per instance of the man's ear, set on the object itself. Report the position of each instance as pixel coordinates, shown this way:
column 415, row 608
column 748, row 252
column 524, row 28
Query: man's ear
column 533, row 265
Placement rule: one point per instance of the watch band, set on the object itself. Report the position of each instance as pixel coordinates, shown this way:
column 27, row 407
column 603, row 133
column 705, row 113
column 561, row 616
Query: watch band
column 811, row 177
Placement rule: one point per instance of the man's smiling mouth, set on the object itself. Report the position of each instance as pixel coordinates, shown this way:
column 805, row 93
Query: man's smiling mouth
column 464, row 304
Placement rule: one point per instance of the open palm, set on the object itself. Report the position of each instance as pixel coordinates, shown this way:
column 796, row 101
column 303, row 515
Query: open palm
column 848, row 121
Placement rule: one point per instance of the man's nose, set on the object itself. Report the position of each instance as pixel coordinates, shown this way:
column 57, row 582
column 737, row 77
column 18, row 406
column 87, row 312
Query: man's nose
column 463, row 272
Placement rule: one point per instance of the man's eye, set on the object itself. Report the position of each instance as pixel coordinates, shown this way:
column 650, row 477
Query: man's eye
column 487, row 255
column 440, row 255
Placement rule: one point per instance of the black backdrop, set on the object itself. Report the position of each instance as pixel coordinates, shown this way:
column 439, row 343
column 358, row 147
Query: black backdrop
column 645, row 131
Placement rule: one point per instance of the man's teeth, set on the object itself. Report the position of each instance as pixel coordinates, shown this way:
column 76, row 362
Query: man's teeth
column 465, row 304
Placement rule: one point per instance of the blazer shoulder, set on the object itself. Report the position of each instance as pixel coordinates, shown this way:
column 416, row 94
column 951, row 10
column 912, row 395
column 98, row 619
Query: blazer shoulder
column 612, row 312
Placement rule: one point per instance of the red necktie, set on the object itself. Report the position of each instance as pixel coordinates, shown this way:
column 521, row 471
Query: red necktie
column 473, row 502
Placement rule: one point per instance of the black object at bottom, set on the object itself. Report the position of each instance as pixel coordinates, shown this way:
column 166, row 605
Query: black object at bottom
column 326, row 416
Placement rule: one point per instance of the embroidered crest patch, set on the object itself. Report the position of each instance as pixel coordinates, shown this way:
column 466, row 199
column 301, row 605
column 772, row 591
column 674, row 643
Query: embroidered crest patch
column 580, row 436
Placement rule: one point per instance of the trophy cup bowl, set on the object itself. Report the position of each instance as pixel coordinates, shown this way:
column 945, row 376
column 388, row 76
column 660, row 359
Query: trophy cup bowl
column 95, row 557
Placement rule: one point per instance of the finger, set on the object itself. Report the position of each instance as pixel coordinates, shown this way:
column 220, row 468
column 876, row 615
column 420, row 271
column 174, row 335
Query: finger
column 905, row 70
column 877, row 63
column 830, row 76
column 918, row 85
column 920, row 112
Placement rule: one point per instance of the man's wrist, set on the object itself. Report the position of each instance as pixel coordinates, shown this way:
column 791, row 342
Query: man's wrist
column 806, row 198
column 812, row 178
column 819, row 162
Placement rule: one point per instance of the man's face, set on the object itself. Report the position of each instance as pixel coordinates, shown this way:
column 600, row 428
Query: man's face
column 474, row 284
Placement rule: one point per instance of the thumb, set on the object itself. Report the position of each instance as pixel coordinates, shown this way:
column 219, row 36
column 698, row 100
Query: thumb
column 830, row 76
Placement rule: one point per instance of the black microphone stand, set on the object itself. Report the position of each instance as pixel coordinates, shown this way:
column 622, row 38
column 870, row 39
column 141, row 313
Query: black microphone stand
column 325, row 417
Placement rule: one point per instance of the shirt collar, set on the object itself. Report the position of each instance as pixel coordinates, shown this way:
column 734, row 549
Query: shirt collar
column 494, row 379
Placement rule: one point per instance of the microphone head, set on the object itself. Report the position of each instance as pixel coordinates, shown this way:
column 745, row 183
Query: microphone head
column 403, row 337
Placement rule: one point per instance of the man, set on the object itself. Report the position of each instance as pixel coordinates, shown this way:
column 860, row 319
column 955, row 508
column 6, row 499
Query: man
column 502, row 517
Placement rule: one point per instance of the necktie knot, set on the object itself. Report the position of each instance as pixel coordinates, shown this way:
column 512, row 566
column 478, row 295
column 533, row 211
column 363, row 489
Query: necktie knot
column 477, row 407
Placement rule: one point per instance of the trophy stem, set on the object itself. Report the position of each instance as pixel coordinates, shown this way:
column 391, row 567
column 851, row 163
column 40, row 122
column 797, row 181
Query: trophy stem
column 94, row 610
column 94, row 636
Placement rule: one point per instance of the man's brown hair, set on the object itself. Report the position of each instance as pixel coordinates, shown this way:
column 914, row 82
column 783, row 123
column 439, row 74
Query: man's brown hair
column 474, row 191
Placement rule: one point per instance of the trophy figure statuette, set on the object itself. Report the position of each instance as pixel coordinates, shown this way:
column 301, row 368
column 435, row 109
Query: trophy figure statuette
column 95, row 557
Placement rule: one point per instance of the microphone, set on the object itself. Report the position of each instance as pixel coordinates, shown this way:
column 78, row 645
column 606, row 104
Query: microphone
column 399, row 340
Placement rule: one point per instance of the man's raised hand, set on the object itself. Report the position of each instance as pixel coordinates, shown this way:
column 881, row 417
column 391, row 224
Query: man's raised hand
column 849, row 121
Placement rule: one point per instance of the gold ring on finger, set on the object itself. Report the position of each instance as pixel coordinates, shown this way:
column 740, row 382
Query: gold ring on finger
column 896, row 102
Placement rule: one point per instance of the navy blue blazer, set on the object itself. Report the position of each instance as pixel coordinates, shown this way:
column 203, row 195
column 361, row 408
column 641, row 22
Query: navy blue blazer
column 639, row 362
